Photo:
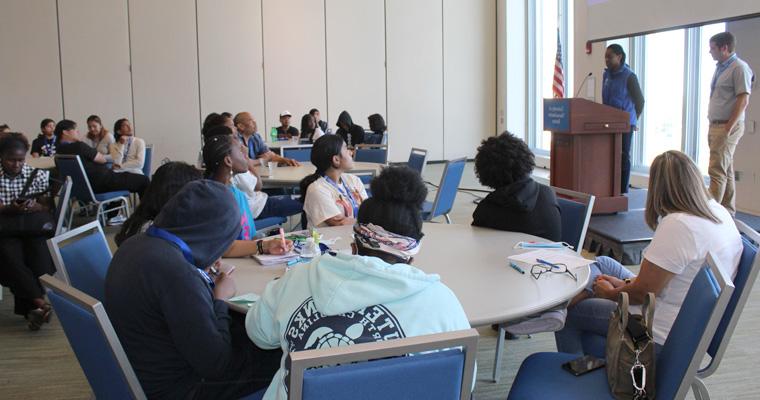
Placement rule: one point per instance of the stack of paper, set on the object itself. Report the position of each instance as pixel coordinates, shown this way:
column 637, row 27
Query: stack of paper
column 270, row 259
column 555, row 257
column 245, row 299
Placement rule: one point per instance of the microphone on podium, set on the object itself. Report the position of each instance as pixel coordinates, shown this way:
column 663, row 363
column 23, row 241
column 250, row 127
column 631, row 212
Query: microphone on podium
column 583, row 83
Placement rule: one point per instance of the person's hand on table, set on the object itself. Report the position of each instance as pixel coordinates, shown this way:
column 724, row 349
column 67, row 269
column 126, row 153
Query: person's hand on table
column 292, row 163
column 276, row 246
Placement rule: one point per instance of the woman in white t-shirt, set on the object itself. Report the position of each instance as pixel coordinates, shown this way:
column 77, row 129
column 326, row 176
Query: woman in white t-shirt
column 688, row 224
column 331, row 197
column 128, row 151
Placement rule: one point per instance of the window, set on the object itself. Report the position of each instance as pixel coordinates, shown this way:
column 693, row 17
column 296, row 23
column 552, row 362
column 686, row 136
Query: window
column 663, row 92
column 706, row 70
column 551, row 19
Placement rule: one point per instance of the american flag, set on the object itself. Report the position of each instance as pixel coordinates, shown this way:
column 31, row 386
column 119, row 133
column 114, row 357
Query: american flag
column 558, row 87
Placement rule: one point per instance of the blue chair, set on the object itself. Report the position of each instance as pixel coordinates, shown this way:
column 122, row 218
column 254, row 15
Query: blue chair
column 269, row 222
column 300, row 154
column 71, row 165
column 575, row 209
column 148, row 160
column 417, row 160
column 82, row 257
column 746, row 275
column 445, row 374
column 94, row 342
column 374, row 153
column 62, row 206
column 447, row 191
column 541, row 375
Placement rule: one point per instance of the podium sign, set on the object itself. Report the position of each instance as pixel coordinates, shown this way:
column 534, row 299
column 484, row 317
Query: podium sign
column 586, row 149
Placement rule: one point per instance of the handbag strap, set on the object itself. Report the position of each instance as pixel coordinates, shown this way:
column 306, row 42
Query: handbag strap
column 623, row 308
column 647, row 311
column 29, row 182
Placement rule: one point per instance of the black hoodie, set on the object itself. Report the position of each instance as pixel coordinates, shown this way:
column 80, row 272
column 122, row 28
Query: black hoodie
column 355, row 133
column 174, row 332
column 524, row 206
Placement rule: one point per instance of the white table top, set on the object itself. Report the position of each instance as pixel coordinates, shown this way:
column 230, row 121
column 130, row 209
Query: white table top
column 289, row 176
column 472, row 261
column 40, row 162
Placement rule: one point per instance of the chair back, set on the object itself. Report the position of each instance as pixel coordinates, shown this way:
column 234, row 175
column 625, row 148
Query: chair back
column 445, row 374
column 301, row 154
column 71, row 166
column 364, row 175
column 94, row 341
column 268, row 222
column 148, row 160
column 575, row 210
column 374, row 153
column 62, row 208
column 82, row 256
column 417, row 160
column 690, row 335
column 746, row 274
column 447, row 191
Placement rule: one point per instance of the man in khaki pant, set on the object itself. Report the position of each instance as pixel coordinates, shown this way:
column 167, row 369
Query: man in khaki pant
column 729, row 95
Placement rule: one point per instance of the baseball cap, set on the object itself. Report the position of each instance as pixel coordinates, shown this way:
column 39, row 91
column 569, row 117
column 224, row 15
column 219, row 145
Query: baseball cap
column 285, row 113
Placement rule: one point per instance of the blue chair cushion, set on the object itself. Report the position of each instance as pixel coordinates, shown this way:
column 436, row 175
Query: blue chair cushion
column 111, row 195
column 86, row 261
column 573, row 216
column 429, row 376
column 255, row 396
column 427, row 206
column 270, row 221
column 541, row 377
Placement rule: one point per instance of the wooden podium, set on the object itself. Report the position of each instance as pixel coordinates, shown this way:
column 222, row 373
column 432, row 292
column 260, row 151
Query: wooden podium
column 586, row 149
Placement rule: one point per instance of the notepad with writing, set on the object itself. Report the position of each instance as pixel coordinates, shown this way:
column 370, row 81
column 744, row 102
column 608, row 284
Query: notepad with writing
column 270, row 259
column 571, row 260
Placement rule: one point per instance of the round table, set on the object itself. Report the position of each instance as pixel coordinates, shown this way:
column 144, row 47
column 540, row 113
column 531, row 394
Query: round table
column 290, row 176
column 471, row 261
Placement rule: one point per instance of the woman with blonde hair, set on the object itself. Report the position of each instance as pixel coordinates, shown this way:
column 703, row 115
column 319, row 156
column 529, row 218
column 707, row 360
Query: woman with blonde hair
column 98, row 136
column 687, row 224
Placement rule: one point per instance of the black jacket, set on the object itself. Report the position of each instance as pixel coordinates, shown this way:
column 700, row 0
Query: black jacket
column 524, row 206
column 174, row 332
column 355, row 133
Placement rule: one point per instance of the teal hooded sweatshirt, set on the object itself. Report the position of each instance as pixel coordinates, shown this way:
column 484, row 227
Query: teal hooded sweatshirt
column 343, row 300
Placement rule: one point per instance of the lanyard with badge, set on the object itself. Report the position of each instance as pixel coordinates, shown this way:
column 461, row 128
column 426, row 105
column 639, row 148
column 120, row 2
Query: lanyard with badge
column 345, row 192
column 49, row 146
column 126, row 150
column 183, row 247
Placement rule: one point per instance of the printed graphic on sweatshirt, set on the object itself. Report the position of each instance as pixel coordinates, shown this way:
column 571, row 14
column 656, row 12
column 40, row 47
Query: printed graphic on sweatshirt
column 309, row 329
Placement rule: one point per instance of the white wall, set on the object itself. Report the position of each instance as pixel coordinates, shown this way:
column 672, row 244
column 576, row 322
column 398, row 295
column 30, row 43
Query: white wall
column 428, row 66
column 30, row 71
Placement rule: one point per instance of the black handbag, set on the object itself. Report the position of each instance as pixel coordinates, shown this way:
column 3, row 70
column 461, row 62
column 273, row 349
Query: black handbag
column 33, row 224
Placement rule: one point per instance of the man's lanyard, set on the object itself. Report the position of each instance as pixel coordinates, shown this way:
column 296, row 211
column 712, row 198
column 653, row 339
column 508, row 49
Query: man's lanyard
column 345, row 192
column 183, row 247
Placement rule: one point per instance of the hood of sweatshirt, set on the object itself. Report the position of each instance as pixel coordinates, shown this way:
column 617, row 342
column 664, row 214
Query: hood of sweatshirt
column 345, row 118
column 344, row 283
column 205, row 216
column 521, row 195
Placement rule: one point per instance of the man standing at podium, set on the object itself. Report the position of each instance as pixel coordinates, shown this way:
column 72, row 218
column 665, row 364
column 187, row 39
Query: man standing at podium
column 729, row 95
column 620, row 89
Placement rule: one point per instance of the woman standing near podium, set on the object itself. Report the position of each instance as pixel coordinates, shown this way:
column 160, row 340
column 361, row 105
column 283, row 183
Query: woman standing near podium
column 620, row 89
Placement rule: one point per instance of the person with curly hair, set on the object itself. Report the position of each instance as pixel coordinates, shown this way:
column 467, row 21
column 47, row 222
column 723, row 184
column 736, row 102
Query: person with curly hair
column 518, row 203
column 373, row 295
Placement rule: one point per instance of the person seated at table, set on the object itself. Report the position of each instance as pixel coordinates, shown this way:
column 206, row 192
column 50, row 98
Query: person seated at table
column 350, row 133
column 23, row 258
column 330, row 195
column 44, row 144
column 98, row 137
column 688, row 223
column 257, row 149
column 166, row 292
column 317, row 117
column 285, row 131
column 261, row 204
column 518, row 203
column 101, row 178
column 128, row 151
column 310, row 131
column 378, row 128
column 165, row 183
column 375, row 295
column 224, row 157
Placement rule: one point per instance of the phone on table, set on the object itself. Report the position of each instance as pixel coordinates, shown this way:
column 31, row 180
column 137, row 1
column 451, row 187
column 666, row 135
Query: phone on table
column 583, row 365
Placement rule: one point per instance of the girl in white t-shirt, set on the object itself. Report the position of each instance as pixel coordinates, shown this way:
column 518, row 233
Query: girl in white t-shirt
column 688, row 224
column 331, row 197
